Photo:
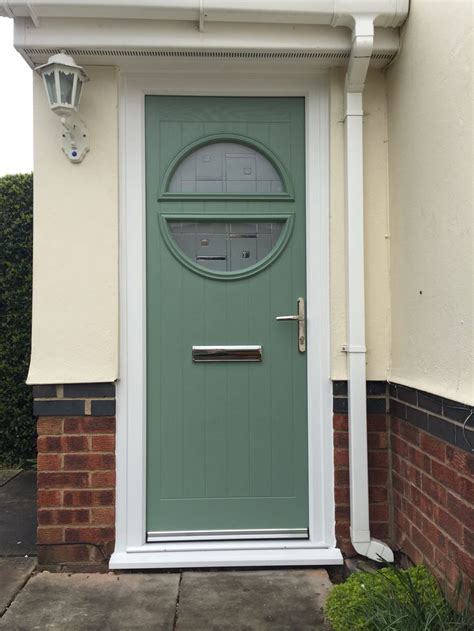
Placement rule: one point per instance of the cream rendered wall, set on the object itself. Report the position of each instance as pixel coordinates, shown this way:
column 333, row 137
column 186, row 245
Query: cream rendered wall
column 75, row 258
column 75, row 286
column 431, row 201
column 377, row 291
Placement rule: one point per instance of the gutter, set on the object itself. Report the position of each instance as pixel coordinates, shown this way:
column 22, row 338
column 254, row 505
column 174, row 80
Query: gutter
column 361, row 16
column 387, row 13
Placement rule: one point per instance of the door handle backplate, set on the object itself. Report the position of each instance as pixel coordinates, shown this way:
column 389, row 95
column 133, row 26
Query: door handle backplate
column 300, row 317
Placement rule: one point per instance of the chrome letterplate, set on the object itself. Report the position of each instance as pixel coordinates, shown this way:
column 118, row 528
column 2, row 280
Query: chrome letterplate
column 227, row 353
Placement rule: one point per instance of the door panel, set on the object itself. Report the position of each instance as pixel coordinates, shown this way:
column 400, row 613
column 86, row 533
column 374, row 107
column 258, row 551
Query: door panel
column 226, row 442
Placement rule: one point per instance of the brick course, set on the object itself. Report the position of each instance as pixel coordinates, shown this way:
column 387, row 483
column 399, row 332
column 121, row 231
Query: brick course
column 76, row 501
column 421, row 488
column 421, row 466
column 432, row 473
column 379, row 479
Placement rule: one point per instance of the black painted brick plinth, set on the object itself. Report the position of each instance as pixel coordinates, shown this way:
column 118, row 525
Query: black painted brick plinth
column 74, row 399
column 440, row 417
column 376, row 397
column 436, row 415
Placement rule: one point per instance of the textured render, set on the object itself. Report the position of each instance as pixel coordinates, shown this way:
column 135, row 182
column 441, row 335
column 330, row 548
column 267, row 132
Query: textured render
column 377, row 296
column 430, row 157
column 75, row 280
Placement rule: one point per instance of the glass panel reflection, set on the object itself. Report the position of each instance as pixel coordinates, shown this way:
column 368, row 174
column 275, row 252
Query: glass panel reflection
column 77, row 98
column 50, row 81
column 226, row 246
column 226, row 167
column 66, row 82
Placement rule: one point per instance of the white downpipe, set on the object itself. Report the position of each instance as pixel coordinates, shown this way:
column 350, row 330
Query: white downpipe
column 363, row 34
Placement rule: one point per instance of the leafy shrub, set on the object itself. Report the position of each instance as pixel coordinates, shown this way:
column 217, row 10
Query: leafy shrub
column 17, row 428
column 395, row 600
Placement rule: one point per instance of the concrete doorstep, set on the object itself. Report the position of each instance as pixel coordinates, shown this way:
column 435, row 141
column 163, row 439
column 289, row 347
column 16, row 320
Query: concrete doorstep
column 290, row 600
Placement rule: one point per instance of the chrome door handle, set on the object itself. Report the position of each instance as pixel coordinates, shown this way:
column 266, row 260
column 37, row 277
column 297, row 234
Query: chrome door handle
column 300, row 317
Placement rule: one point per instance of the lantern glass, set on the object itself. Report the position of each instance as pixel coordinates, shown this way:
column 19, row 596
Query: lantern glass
column 78, row 92
column 50, row 83
column 66, row 82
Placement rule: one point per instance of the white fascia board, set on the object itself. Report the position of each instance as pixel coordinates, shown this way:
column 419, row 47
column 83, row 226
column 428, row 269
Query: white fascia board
column 147, row 34
column 386, row 12
column 144, row 35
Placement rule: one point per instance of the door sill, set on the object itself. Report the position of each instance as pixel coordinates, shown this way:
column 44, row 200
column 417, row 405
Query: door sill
column 143, row 558
column 227, row 535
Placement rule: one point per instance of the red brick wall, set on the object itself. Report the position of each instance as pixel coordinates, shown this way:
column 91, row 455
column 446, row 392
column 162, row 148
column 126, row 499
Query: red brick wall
column 379, row 479
column 76, row 491
column 433, row 492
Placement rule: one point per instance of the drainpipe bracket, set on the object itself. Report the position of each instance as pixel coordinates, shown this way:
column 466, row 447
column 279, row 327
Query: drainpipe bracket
column 353, row 102
column 353, row 348
column 202, row 17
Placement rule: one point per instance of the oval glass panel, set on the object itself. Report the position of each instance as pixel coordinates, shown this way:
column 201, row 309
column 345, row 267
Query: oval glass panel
column 226, row 167
column 225, row 246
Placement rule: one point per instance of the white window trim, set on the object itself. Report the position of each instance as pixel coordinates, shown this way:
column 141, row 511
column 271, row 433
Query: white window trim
column 131, row 549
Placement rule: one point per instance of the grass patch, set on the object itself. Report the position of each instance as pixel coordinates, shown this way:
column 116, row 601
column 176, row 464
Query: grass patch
column 395, row 600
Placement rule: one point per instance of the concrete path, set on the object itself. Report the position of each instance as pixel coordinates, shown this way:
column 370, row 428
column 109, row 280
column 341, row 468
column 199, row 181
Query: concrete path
column 17, row 533
column 8, row 474
column 14, row 572
column 289, row 600
column 18, row 515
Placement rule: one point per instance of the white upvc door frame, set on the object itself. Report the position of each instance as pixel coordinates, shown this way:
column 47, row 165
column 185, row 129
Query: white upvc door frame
column 131, row 549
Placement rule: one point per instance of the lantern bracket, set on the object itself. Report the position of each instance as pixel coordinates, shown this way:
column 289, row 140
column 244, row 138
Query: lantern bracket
column 75, row 137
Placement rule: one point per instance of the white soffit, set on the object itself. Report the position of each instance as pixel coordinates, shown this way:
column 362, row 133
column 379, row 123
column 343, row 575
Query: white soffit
column 132, row 42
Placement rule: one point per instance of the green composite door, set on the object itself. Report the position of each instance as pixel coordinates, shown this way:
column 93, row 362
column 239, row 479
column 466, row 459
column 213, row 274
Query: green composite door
column 227, row 444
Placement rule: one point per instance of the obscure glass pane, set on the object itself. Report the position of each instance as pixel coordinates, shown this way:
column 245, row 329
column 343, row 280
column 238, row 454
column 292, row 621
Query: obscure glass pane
column 66, row 82
column 226, row 246
column 226, row 167
column 78, row 92
column 49, row 80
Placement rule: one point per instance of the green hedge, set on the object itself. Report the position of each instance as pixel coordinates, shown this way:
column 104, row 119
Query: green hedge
column 17, row 427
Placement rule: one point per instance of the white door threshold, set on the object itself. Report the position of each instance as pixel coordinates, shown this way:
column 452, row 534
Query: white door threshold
column 166, row 559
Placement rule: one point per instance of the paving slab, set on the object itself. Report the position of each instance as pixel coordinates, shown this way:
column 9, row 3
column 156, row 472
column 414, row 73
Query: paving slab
column 280, row 600
column 8, row 474
column 18, row 515
column 14, row 572
column 94, row 602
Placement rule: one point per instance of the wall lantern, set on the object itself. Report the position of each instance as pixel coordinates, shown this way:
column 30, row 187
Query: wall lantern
column 63, row 81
